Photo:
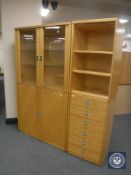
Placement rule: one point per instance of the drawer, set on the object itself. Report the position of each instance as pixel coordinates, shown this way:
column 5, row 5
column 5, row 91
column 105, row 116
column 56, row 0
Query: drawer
column 87, row 154
column 89, row 102
column 93, row 114
column 85, row 143
column 90, row 129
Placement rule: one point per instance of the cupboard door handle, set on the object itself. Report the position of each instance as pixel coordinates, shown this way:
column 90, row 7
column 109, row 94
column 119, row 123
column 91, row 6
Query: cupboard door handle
column 39, row 114
column 41, row 58
column 37, row 58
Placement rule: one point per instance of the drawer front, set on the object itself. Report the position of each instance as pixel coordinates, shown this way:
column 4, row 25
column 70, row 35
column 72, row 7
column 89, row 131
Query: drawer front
column 90, row 129
column 92, row 114
column 89, row 102
column 85, row 153
column 85, row 143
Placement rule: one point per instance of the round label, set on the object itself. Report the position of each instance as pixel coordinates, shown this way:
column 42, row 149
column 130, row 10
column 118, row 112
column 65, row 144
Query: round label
column 117, row 160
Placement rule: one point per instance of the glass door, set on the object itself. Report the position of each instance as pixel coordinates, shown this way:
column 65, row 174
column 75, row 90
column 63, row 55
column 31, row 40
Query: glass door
column 54, row 54
column 28, row 56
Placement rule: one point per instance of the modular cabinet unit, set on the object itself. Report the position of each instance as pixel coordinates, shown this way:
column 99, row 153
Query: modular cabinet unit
column 42, row 63
column 68, row 100
column 95, row 59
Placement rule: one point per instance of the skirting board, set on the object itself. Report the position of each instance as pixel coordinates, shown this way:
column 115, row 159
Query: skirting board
column 123, row 115
column 11, row 120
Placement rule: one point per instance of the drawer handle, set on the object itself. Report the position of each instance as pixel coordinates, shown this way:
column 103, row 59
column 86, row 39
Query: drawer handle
column 83, row 142
column 88, row 102
column 83, row 151
column 85, row 124
column 86, row 113
column 39, row 114
column 84, row 133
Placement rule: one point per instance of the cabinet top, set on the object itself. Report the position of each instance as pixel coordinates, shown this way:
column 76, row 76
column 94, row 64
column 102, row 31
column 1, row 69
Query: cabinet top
column 71, row 22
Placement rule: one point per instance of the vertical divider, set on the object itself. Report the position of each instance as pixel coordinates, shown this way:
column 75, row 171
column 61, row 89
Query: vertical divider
column 37, row 58
column 18, row 64
column 41, row 52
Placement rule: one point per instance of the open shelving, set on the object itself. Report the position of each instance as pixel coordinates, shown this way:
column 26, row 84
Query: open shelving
column 90, row 84
column 92, row 54
column 92, row 73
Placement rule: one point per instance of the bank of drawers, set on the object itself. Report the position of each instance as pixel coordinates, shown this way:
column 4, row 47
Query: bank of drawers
column 94, row 108
column 86, row 127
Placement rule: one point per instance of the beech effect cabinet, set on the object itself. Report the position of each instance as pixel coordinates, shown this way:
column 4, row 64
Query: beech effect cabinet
column 67, row 77
column 95, row 60
column 42, row 81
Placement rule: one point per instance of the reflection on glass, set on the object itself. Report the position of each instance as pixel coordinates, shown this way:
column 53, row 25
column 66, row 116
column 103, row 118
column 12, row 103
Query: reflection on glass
column 28, row 54
column 54, row 41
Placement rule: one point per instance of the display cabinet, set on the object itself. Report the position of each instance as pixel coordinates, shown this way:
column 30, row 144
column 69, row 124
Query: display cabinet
column 42, row 58
column 96, row 54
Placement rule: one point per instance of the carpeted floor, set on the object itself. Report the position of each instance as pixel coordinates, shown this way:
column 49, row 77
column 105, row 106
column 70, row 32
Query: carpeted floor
column 24, row 155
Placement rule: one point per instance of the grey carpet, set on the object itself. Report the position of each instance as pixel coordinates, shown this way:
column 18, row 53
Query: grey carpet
column 24, row 155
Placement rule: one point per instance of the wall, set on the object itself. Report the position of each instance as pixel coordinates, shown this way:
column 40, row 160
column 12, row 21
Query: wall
column 1, row 54
column 15, row 13
column 123, row 100
column 65, row 13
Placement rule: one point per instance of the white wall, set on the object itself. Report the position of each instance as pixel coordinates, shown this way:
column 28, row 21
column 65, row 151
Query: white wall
column 65, row 13
column 15, row 13
column 1, row 54
column 123, row 100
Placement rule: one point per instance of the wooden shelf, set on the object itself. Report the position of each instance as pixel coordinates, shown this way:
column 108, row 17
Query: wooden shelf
column 92, row 73
column 54, row 66
column 93, row 52
column 29, row 82
column 28, row 64
column 48, row 50
column 93, row 93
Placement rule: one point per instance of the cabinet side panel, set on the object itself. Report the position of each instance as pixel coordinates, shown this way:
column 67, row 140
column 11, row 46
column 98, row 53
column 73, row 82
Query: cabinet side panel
column 17, row 51
column 116, row 63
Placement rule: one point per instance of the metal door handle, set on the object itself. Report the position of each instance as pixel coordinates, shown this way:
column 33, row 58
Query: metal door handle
column 37, row 58
column 41, row 58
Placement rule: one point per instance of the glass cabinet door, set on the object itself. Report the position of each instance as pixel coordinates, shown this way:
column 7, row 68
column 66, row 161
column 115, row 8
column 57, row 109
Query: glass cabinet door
column 28, row 56
column 54, row 53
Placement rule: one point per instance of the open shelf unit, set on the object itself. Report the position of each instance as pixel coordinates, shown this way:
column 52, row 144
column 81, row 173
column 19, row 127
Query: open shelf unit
column 95, row 62
column 92, row 54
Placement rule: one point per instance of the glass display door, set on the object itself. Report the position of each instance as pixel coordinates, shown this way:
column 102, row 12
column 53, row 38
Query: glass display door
column 54, row 54
column 28, row 57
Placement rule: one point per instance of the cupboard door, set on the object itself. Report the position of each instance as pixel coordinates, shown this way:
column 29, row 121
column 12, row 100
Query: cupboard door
column 29, row 56
column 28, row 119
column 53, row 120
column 54, row 56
